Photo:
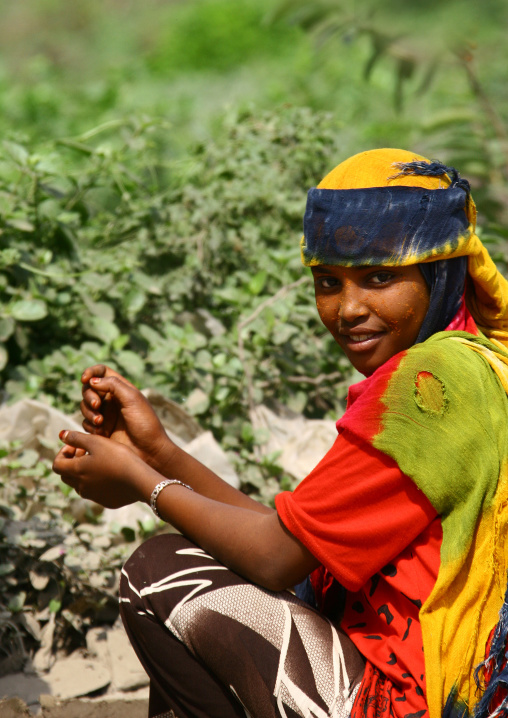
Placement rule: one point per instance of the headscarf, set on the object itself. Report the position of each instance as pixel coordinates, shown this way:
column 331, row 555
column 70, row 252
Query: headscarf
column 391, row 207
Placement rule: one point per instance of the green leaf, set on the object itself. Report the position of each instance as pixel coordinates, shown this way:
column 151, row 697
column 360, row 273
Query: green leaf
column 28, row 310
column 24, row 225
column 28, row 458
column 17, row 602
column 55, row 605
column 17, row 152
column 257, row 283
column 130, row 362
column 101, row 328
column 7, row 325
column 6, row 568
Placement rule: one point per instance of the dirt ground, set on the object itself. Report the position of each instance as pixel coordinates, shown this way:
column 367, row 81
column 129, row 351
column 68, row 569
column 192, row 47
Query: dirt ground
column 75, row 708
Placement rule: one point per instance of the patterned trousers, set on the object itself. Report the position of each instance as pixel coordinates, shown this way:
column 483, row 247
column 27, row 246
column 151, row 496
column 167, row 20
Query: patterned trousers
column 216, row 646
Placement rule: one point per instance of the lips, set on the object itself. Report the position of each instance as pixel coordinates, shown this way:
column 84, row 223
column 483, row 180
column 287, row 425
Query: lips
column 364, row 341
column 360, row 337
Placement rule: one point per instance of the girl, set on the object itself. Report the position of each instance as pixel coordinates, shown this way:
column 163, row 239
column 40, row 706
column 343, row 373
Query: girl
column 406, row 511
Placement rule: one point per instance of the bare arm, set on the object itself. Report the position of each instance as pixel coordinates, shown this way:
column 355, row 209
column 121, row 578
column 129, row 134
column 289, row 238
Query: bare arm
column 253, row 543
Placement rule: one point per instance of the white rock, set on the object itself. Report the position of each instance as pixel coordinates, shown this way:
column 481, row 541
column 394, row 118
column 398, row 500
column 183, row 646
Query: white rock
column 76, row 676
column 207, row 450
column 302, row 442
column 127, row 671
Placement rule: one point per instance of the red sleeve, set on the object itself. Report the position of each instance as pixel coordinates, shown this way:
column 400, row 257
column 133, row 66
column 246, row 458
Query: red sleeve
column 356, row 511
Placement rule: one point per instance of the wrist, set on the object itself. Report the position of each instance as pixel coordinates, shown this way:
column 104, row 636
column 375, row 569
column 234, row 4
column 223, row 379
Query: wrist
column 142, row 479
column 162, row 456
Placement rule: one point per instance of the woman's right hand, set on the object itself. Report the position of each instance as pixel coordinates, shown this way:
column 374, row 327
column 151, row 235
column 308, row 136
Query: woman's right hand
column 114, row 408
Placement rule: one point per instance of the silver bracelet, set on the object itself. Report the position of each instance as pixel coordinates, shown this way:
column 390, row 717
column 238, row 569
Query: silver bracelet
column 162, row 485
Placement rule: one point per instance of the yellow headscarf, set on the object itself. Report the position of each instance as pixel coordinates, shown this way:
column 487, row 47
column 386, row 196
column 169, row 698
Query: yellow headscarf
column 487, row 292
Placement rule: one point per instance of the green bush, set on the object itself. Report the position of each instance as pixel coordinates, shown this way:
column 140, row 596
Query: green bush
column 185, row 277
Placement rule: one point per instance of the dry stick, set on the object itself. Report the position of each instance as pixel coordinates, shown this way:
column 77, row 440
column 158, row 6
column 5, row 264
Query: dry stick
column 255, row 314
column 315, row 379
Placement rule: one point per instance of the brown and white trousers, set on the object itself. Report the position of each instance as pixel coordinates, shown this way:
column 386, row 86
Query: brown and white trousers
column 216, row 646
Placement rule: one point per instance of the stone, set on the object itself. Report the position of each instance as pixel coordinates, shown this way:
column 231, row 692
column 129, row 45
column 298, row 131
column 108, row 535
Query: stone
column 25, row 687
column 127, row 671
column 76, row 676
column 14, row 708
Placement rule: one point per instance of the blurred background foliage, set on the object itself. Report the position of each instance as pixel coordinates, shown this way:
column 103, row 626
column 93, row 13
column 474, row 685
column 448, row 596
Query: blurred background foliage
column 153, row 168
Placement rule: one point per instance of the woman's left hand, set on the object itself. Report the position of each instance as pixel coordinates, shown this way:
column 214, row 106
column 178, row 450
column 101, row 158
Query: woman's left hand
column 103, row 471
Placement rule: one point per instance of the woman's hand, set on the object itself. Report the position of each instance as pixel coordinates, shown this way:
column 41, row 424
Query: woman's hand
column 112, row 407
column 103, row 471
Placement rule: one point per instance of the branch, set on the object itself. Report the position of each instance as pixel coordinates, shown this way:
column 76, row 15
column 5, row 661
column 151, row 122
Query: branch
column 245, row 322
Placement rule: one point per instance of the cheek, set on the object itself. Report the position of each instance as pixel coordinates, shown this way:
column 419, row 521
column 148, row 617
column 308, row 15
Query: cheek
column 326, row 309
column 404, row 309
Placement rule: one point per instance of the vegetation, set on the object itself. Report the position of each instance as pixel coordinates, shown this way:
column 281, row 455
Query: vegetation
column 153, row 168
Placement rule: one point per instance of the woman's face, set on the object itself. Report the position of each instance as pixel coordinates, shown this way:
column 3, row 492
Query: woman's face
column 372, row 312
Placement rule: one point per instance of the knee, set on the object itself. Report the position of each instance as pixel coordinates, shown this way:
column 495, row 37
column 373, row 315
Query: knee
column 145, row 564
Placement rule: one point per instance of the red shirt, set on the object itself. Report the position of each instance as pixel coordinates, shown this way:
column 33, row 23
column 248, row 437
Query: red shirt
column 380, row 537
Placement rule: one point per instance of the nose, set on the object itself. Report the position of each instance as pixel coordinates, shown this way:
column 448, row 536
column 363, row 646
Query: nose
column 352, row 306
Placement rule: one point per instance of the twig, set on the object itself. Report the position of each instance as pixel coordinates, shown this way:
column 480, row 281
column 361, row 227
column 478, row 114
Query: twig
column 315, row 379
column 245, row 322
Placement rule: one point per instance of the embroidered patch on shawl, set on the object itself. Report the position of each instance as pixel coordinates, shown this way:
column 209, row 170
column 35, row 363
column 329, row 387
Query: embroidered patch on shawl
column 430, row 393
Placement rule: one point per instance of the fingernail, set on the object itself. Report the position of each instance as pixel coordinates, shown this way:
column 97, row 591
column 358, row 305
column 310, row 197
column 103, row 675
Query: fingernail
column 94, row 380
column 95, row 404
column 97, row 419
column 63, row 434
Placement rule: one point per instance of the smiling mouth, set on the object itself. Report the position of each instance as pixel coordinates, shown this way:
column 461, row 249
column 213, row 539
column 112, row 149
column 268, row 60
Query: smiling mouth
column 361, row 342
column 360, row 337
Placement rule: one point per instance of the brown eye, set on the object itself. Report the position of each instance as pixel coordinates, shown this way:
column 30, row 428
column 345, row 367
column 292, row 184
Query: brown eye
column 327, row 282
column 381, row 277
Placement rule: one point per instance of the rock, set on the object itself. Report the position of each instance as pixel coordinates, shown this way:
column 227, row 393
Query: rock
column 44, row 659
column 127, row 672
column 25, row 687
column 302, row 442
column 77, row 676
column 97, row 644
column 209, row 452
column 14, row 708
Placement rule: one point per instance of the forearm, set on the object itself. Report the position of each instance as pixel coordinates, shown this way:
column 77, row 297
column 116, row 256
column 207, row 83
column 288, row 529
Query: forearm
column 247, row 538
column 174, row 463
column 253, row 544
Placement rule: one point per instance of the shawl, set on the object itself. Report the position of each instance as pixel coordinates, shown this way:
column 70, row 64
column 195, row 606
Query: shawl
column 454, row 445
column 438, row 409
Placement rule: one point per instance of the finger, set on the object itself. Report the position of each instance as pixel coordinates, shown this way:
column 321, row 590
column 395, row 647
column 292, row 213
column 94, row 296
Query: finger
column 94, row 417
column 68, row 451
column 91, row 398
column 92, row 429
column 63, row 465
column 102, row 371
column 117, row 387
column 78, row 440
column 96, row 370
